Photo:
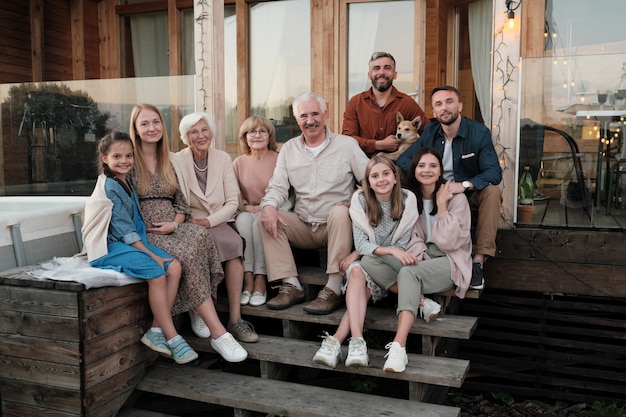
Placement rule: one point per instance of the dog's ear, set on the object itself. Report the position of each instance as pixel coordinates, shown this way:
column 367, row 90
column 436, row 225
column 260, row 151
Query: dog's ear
column 417, row 122
column 399, row 117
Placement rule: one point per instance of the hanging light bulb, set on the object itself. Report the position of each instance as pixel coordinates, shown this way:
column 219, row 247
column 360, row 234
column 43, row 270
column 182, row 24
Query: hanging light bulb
column 511, row 19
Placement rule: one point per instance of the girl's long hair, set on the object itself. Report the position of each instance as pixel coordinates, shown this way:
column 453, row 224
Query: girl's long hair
column 415, row 186
column 372, row 205
column 164, row 168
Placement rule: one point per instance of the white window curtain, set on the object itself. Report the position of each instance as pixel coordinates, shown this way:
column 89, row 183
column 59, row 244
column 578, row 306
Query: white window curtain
column 380, row 26
column 150, row 44
column 280, row 56
column 480, row 17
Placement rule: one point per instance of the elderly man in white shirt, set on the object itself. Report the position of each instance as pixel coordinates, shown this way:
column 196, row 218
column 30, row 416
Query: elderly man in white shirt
column 321, row 168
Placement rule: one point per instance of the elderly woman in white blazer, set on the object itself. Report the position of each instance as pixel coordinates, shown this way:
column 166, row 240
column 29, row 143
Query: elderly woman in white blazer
column 208, row 182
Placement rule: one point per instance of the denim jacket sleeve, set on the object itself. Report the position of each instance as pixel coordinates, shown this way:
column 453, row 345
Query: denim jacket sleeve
column 122, row 227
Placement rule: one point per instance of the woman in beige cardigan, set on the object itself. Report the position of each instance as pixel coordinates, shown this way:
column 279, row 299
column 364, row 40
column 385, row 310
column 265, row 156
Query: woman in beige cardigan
column 208, row 182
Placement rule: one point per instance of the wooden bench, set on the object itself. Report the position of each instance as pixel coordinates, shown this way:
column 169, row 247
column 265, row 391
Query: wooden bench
column 247, row 393
column 274, row 353
column 66, row 350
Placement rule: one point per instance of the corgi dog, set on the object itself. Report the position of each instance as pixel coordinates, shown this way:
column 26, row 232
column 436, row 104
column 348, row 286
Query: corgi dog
column 406, row 133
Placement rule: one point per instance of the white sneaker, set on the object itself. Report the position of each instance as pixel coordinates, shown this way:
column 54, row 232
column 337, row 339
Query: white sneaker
column 357, row 352
column 329, row 353
column 396, row 358
column 229, row 348
column 429, row 310
column 245, row 298
column 198, row 325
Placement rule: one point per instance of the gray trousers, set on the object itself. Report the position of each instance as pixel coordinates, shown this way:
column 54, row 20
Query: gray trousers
column 427, row 277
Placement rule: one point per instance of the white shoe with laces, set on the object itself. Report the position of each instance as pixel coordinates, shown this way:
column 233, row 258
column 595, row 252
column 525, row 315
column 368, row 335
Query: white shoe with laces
column 357, row 352
column 396, row 358
column 229, row 348
column 198, row 325
column 429, row 310
column 329, row 353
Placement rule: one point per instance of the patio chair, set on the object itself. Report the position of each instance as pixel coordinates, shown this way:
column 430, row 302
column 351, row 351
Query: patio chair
column 532, row 136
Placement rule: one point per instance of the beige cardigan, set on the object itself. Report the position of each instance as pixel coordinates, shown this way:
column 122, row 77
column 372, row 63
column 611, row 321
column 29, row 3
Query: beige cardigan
column 218, row 204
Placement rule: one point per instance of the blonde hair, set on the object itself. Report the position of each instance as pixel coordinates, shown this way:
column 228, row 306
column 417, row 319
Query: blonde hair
column 164, row 168
column 372, row 205
column 251, row 123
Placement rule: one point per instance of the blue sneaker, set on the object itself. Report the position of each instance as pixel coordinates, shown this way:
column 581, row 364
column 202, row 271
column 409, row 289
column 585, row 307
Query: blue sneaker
column 156, row 341
column 181, row 352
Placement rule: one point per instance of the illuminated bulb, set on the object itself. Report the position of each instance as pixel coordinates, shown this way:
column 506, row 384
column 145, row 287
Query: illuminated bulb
column 511, row 19
column 582, row 99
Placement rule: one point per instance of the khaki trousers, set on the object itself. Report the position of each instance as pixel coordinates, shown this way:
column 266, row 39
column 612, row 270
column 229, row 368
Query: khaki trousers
column 335, row 235
column 487, row 204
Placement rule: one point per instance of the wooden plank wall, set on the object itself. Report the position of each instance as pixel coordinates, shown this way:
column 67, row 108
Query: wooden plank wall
column 557, row 347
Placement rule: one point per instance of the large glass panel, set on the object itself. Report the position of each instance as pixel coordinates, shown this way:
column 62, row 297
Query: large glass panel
column 280, row 61
column 573, row 106
column 49, row 131
column 572, row 139
column 380, row 26
column 230, row 72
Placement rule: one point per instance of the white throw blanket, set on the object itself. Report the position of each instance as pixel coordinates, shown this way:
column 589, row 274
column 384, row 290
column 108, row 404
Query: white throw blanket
column 78, row 269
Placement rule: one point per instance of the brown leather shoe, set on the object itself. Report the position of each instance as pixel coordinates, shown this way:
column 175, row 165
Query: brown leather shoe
column 288, row 295
column 325, row 303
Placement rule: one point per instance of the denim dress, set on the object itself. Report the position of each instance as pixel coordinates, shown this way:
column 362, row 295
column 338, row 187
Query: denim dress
column 125, row 228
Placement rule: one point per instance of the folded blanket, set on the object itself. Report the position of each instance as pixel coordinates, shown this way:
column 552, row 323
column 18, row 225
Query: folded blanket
column 78, row 269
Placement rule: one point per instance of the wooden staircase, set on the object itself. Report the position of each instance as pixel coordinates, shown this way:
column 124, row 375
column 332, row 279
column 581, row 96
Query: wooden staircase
column 276, row 355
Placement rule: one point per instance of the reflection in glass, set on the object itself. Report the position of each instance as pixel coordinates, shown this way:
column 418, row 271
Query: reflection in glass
column 280, row 61
column 50, row 130
column 380, row 26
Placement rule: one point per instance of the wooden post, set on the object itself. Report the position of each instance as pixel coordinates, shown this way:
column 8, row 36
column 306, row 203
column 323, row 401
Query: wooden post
column 209, row 52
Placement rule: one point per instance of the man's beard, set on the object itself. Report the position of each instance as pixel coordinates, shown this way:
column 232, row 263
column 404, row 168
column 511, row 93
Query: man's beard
column 382, row 87
column 453, row 118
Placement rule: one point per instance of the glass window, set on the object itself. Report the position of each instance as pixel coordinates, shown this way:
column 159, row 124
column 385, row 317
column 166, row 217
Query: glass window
column 380, row 26
column 230, row 72
column 280, row 61
column 573, row 111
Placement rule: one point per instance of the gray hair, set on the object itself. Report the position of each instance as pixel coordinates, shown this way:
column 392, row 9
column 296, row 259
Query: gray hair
column 306, row 97
column 191, row 119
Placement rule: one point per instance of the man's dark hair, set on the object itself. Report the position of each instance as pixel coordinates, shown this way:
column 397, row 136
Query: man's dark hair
column 446, row 88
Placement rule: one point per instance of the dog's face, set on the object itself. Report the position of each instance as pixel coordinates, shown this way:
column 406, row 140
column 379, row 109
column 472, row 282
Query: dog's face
column 406, row 130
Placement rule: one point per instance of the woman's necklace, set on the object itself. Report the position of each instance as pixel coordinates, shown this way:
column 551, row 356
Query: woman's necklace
column 206, row 161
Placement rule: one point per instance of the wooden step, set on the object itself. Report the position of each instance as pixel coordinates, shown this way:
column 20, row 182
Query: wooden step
column 433, row 370
column 450, row 326
column 278, row 397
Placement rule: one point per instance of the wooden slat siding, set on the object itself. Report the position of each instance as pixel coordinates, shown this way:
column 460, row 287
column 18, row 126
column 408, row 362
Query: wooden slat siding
column 37, row 47
column 567, row 348
column 110, row 343
column 45, row 373
column 20, row 410
column 457, row 327
column 270, row 396
column 281, row 350
column 105, row 368
column 40, row 325
column 35, row 395
column 32, row 300
column 560, row 262
column 77, row 24
column 57, row 41
column 49, row 350
column 115, row 389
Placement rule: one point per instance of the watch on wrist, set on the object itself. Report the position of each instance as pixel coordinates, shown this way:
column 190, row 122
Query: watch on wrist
column 466, row 184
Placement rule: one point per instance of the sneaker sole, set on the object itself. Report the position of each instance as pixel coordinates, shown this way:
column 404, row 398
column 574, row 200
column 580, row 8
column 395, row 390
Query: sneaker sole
column 356, row 363
column 185, row 360
column 322, row 362
column 155, row 348
column 394, row 370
